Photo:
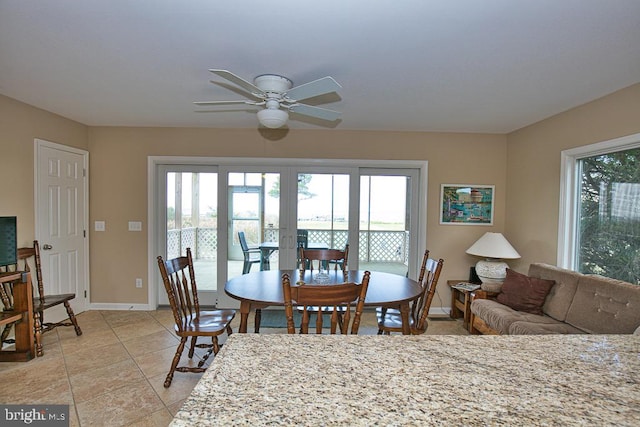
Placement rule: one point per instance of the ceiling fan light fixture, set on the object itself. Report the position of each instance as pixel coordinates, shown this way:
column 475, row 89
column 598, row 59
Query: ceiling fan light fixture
column 272, row 118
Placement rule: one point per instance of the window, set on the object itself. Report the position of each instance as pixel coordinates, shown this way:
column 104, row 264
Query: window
column 600, row 209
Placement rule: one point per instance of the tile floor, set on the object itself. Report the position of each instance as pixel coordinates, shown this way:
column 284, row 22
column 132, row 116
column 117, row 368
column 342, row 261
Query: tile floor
column 113, row 374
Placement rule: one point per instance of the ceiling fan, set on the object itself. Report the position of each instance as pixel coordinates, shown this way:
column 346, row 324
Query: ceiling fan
column 276, row 94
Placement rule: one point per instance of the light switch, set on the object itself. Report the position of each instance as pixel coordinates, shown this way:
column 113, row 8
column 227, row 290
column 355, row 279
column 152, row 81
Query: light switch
column 99, row 226
column 135, row 225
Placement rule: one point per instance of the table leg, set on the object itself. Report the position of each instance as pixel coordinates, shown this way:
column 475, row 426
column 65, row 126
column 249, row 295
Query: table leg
column 265, row 254
column 404, row 315
column 245, row 308
column 467, row 309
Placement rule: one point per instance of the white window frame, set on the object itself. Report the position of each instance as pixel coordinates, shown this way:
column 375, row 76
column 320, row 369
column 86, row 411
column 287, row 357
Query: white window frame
column 570, row 175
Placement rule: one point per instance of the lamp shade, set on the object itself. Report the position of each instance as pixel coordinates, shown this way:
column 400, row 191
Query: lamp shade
column 492, row 270
column 493, row 245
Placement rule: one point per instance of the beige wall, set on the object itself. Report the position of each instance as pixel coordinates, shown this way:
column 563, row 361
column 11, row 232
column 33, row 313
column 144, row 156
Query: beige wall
column 119, row 168
column 533, row 170
column 524, row 166
column 20, row 124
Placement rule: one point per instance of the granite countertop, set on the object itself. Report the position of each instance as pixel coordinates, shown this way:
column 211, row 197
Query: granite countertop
column 419, row 380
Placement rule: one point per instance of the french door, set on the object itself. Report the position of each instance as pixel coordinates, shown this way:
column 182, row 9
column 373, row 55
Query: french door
column 204, row 207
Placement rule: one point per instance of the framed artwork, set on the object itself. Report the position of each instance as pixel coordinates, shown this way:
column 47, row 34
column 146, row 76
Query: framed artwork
column 466, row 204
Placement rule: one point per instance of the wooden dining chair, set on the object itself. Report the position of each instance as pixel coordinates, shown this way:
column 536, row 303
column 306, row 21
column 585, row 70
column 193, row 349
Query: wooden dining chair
column 390, row 320
column 41, row 300
column 179, row 280
column 339, row 295
column 314, row 260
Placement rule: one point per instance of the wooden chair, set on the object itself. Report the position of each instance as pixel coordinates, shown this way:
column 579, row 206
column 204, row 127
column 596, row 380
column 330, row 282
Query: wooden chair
column 251, row 255
column 308, row 295
column 341, row 263
column 315, row 259
column 179, row 280
column 43, row 301
column 389, row 320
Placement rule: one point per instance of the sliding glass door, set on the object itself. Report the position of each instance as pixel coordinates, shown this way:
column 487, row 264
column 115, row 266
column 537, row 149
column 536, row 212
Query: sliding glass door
column 278, row 207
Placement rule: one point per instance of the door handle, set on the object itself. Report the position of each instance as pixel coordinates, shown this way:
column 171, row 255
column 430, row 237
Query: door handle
column 46, row 247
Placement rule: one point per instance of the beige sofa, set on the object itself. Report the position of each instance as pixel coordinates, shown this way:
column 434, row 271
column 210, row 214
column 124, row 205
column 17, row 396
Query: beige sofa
column 576, row 304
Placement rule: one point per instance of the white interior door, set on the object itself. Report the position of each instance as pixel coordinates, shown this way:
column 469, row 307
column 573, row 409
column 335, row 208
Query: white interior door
column 61, row 222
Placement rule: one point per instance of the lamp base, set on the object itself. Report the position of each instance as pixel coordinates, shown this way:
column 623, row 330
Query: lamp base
column 492, row 273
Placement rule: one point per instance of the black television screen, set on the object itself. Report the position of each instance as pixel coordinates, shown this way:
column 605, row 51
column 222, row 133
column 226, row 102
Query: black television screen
column 8, row 240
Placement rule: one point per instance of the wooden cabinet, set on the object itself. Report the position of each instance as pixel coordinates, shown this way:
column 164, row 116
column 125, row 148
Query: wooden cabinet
column 21, row 312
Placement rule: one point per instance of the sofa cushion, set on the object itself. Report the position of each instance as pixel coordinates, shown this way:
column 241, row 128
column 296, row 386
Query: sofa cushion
column 524, row 293
column 500, row 317
column 559, row 299
column 523, row 327
column 605, row 306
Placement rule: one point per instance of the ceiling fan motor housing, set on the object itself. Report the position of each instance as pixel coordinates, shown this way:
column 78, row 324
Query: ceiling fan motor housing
column 273, row 83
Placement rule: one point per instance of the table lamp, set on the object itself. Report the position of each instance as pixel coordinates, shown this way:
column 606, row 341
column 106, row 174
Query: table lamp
column 492, row 270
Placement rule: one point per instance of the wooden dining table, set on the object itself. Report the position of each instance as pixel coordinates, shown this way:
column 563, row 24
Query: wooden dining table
column 262, row 289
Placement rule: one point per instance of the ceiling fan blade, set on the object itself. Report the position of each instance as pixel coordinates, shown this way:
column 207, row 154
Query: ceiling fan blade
column 317, row 112
column 314, row 88
column 228, row 102
column 248, row 86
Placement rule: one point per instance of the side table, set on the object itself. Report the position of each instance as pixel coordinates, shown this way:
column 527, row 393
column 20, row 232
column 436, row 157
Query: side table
column 460, row 302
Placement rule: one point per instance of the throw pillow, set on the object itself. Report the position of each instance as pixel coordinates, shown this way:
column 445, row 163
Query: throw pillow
column 524, row 293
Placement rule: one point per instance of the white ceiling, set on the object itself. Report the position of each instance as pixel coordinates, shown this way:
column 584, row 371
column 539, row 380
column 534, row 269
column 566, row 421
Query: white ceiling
column 417, row 65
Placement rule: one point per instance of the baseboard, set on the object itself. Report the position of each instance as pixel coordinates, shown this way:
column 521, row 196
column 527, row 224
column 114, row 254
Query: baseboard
column 122, row 307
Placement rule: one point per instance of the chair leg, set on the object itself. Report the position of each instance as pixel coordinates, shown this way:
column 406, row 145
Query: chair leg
column 246, row 267
column 257, row 319
column 193, row 347
column 174, row 363
column 72, row 318
column 37, row 336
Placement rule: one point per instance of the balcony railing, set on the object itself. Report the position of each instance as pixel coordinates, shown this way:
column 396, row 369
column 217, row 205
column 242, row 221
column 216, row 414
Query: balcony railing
column 375, row 246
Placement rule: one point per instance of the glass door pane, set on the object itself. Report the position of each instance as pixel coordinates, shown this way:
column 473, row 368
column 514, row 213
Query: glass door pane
column 254, row 206
column 192, row 222
column 385, row 225
column 323, row 210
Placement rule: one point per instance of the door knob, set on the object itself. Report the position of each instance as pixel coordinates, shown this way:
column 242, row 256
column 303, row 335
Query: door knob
column 47, row 247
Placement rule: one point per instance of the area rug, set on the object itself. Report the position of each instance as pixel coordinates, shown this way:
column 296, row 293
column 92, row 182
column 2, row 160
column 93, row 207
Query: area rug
column 277, row 319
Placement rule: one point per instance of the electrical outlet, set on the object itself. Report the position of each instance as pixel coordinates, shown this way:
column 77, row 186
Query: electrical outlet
column 135, row 226
column 138, row 283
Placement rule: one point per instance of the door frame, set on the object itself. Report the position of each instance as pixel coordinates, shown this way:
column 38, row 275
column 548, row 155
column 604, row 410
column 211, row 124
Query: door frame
column 223, row 163
column 85, row 294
